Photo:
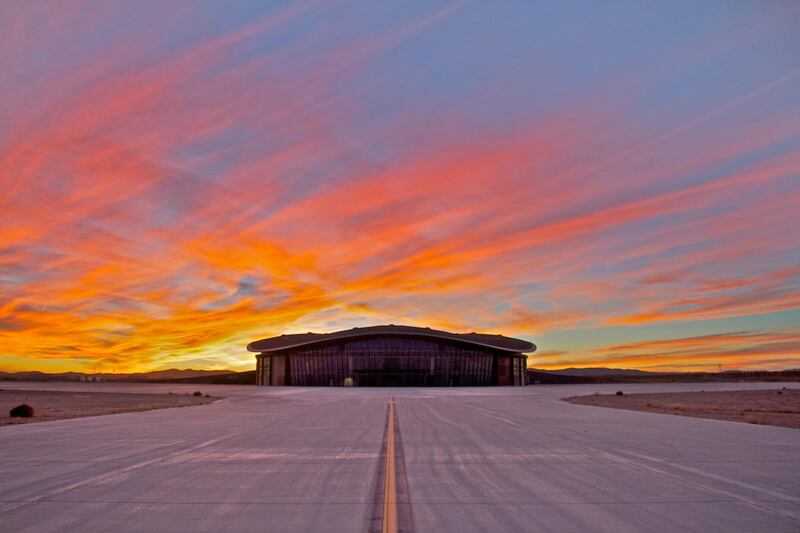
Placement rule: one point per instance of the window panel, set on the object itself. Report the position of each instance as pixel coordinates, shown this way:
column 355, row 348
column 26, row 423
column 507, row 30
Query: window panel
column 393, row 361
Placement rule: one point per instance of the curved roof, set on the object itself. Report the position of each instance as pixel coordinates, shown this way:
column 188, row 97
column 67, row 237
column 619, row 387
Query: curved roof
column 497, row 342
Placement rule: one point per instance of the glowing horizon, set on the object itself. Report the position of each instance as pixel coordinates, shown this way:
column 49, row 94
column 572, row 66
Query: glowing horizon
column 617, row 185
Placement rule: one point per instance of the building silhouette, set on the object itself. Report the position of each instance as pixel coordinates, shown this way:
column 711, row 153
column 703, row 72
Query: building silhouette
column 391, row 356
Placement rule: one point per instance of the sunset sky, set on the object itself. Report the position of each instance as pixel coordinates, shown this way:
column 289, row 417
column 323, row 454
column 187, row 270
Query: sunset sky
column 618, row 182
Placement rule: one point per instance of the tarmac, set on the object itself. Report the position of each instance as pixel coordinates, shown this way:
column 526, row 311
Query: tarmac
column 289, row 459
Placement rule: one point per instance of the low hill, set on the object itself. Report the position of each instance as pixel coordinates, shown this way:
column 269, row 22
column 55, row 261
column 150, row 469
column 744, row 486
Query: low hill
column 230, row 378
column 174, row 373
column 637, row 376
column 597, row 371
column 158, row 375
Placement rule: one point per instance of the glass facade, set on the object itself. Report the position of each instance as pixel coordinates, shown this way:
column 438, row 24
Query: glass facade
column 392, row 361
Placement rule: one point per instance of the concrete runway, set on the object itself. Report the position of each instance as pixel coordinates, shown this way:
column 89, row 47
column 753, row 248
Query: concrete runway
column 476, row 459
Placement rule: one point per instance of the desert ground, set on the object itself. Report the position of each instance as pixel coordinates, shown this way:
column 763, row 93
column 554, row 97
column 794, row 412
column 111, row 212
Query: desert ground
column 56, row 405
column 473, row 459
column 773, row 407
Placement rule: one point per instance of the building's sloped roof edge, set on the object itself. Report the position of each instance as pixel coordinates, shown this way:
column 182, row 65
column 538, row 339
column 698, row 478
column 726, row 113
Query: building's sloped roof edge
column 497, row 342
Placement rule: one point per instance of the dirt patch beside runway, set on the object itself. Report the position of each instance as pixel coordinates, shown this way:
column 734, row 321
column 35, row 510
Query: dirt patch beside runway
column 56, row 405
column 772, row 407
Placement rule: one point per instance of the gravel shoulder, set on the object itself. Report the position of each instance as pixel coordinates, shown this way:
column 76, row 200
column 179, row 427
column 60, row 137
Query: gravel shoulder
column 771, row 407
column 58, row 405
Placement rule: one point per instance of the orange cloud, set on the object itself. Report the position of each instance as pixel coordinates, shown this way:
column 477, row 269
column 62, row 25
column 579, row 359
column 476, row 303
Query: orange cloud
column 735, row 350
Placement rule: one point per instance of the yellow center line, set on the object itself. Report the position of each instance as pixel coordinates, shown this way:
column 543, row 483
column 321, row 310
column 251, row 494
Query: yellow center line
column 390, row 489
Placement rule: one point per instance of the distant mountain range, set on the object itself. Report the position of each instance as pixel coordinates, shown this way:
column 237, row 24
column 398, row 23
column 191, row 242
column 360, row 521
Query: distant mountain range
column 158, row 375
column 597, row 371
column 624, row 375
column 564, row 375
column 180, row 374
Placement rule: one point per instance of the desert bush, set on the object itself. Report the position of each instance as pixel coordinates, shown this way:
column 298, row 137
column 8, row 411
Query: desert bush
column 21, row 411
column 197, row 393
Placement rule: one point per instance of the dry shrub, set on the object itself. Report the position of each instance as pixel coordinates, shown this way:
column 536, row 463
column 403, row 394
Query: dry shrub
column 21, row 411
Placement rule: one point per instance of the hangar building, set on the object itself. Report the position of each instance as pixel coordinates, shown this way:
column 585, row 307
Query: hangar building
column 391, row 356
